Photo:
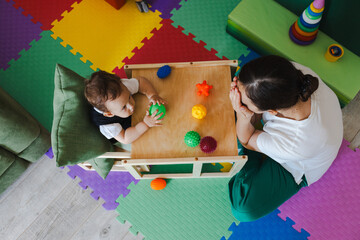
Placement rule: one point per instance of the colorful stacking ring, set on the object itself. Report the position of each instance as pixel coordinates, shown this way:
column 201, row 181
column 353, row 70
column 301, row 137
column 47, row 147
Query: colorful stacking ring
column 307, row 13
column 305, row 24
column 301, row 37
column 305, row 29
column 308, row 20
column 315, row 10
column 293, row 38
column 315, row 14
column 304, row 33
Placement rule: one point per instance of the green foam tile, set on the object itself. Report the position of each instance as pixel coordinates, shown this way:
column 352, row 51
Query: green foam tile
column 185, row 209
column 30, row 79
column 206, row 19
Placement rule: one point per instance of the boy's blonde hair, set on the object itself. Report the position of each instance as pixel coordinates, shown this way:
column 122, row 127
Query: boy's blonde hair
column 102, row 86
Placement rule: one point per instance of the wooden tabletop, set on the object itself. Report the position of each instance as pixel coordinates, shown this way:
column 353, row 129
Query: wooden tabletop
column 179, row 90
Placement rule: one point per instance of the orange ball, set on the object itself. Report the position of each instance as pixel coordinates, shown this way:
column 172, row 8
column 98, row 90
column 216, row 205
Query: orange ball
column 158, row 184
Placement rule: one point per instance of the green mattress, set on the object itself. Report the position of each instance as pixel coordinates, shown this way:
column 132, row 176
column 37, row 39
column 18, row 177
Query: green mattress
column 264, row 24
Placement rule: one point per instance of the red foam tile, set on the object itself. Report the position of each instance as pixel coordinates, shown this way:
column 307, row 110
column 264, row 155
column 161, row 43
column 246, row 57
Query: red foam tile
column 169, row 44
column 45, row 11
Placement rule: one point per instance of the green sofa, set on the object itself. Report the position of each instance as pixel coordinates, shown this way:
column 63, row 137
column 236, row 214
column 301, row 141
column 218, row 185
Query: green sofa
column 22, row 140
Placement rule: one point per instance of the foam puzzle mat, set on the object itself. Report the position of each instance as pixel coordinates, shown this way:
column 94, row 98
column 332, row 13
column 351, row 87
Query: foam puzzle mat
column 30, row 79
column 17, row 32
column 109, row 189
column 188, row 208
column 86, row 35
column 96, row 35
column 330, row 208
column 204, row 19
column 268, row 227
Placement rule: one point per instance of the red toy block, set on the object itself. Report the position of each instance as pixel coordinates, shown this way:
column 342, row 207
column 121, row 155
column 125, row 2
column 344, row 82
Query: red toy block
column 116, row 3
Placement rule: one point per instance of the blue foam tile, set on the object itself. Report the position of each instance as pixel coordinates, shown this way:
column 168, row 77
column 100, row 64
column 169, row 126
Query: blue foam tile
column 268, row 227
column 245, row 59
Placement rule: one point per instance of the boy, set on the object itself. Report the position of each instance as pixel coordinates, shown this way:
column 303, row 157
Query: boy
column 113, row 105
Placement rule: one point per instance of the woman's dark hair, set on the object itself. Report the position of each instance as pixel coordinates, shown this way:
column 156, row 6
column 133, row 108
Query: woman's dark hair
column 272, row 82
column 102, row 86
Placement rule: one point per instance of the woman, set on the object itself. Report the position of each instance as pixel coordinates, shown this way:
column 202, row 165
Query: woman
column 301, row 136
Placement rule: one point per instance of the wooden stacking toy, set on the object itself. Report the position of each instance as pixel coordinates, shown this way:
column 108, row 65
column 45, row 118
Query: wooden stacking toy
column 305, row 29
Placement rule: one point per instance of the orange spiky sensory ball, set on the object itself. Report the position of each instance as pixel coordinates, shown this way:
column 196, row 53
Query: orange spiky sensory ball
column 203, row 88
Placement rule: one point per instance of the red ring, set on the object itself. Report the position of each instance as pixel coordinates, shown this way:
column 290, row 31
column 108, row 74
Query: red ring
column 301, row 37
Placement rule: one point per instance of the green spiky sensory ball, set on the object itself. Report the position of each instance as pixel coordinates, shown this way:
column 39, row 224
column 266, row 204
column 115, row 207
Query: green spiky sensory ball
column 192, row 139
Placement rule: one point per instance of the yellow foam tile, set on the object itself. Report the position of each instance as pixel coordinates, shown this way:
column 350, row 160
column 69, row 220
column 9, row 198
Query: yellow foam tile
column 104, row 35
column 226, row 166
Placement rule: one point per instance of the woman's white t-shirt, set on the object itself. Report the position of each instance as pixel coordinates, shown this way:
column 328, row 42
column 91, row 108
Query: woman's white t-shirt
column 113, row 129
column 307, row 147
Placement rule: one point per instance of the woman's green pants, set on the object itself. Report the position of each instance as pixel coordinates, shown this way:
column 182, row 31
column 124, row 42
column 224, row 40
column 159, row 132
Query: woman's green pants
column 260, row 187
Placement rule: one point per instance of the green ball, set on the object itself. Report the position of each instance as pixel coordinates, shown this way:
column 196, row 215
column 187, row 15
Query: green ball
column 192, row 139
column 161, row 109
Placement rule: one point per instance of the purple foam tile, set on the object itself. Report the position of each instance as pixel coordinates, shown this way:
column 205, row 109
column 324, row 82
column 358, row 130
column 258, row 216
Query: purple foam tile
column 16, row 32
column 50, row 153
column 330, row 208
column 110, row 189
column 164, row 6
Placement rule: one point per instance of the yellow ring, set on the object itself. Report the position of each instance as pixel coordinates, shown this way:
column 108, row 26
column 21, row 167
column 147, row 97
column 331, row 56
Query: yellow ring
column 315, row 10
column 305, row 34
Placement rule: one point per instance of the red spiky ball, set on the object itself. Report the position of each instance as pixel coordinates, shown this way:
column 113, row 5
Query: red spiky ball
column 208, row 144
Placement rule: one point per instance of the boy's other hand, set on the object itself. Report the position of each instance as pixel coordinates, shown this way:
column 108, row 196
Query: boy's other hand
column 153, row 119
column 156, row 99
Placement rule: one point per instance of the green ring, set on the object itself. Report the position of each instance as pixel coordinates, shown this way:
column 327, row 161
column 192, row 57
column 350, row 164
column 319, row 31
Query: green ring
column 311, row 16
column 305, row 29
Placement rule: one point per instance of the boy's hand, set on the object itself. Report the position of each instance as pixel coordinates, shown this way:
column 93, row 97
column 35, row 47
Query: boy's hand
column 235, row 98
column 153, row 119
column 156, row 99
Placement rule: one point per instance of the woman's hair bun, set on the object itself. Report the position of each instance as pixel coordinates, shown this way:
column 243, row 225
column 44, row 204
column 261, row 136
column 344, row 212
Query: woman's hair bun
column 309, row 84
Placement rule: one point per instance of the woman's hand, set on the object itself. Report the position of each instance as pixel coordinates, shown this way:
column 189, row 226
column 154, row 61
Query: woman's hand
column 156, row 99
column 235, row 98
column 234, row 82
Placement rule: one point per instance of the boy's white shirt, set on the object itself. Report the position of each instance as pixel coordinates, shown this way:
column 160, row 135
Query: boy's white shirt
column 306, row 147
column 113, row 129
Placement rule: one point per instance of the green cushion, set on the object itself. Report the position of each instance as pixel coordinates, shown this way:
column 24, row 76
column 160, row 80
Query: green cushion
column 18, row 128
column 102, row 165
column 74, row 137
column 264, row 24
